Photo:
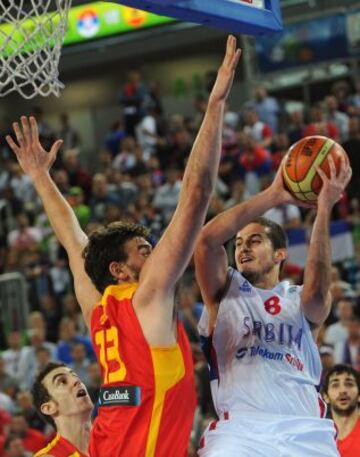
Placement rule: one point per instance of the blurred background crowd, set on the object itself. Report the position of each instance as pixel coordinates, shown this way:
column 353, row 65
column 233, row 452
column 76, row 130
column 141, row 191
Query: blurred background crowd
column 137, row 176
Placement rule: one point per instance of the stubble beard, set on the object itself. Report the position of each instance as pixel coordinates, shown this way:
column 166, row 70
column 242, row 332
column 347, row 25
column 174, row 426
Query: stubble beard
column 254, row 277
column 348, row 411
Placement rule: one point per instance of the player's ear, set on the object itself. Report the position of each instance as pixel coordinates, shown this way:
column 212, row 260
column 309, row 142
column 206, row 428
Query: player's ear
column 326, row 398
column 49, row 408
column 117, row 271
column 280, row 255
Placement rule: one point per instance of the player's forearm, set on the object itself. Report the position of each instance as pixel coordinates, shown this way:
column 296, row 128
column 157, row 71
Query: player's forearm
column 316, row 292
column 201, row 171
column 225, row 226
column 60, row 214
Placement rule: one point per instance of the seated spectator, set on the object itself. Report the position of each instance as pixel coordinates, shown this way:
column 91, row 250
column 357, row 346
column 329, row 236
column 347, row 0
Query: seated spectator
column 338, row 332
column 319, row 125
column 166, row 196
column 80, row 362
column 280, row 147
column 254, row 162
column 8, row 384
column 32, row 440
column 260, row 132
column 25, row 235
column 14, row 447
column 24, row 401
column 75, row 198
column 78, row 175
column 295, row 129
column 68, row 338
column 11, row 356
column 267, row 108
column 348, row 351
column 29, row 361
column 341, row 120
column 20, row 183
column 125, row 159
column 326, row 352
column 72, row 311
column 100, row 197
column 236, row 194
column 61, row 179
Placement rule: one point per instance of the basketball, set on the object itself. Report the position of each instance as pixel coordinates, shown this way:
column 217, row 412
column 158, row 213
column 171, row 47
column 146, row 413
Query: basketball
column 299, row 166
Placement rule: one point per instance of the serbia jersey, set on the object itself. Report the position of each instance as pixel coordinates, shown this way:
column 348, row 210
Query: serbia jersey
column 264, row 366
column 147, row 400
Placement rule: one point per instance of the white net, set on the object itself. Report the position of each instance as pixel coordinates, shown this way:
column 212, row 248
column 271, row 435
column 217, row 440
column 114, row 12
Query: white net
column 31, row 37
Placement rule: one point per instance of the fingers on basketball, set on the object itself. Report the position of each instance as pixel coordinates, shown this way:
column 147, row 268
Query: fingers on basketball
column 332, row 167
column 322, row 174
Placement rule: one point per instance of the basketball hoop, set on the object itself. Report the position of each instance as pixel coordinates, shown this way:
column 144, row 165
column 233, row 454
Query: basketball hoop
column 30, row 44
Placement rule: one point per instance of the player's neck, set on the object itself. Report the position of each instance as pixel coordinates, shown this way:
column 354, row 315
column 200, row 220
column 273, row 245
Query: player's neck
column 76, row 430
column 345, row 424
column 268, row 281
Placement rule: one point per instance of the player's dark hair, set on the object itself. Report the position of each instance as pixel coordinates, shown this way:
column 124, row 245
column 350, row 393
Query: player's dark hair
column 276, row 234
column 341, row 369
column 106, row 245
column 40, row 393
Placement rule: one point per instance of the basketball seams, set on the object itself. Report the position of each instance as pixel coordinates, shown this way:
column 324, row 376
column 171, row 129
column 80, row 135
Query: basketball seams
column 317, row 162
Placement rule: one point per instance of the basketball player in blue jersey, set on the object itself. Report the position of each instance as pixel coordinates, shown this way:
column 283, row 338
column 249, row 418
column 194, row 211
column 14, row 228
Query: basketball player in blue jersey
column 259, row 334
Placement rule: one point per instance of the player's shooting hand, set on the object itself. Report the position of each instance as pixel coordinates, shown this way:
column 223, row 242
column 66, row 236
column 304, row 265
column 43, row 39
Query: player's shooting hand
column 226, row 73
column 333, row 187
column 281, row 196
column 31, row 156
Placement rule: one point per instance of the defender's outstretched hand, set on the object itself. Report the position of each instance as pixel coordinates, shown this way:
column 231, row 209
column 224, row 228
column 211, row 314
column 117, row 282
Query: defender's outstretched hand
column 226, row 72
column 31, row 156
column 333, row 187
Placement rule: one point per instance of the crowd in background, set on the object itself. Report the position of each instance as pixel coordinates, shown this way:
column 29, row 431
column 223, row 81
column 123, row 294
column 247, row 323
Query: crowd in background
column 138, row 178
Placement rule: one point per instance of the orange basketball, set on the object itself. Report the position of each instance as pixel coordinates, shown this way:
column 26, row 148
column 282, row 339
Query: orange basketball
column 299, row 166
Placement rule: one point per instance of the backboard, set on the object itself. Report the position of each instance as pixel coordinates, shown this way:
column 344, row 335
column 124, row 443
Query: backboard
column 251, row 17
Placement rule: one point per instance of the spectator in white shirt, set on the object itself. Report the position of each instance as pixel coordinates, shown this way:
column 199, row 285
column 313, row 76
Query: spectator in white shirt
column 166, row 196
column 338, row 332
column 11, row 356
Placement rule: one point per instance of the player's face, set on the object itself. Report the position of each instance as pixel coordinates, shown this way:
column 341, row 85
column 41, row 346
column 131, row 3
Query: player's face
column 138, row 250
column 69, row 396
column 255, row 256
column 343, row 393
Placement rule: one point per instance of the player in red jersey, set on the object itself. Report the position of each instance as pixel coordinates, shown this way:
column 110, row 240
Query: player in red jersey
column 126, row 293
column 342, row 393
column 62, row 400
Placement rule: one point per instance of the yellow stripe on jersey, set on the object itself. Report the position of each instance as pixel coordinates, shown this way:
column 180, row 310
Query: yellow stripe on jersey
column 48, row 448
column 75, row 454
column 169, row 368
column 120, row 292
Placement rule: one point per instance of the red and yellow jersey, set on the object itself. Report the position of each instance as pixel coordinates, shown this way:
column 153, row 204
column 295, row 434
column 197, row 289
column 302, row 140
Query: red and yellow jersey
column 147, row 400
column 60, row 447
